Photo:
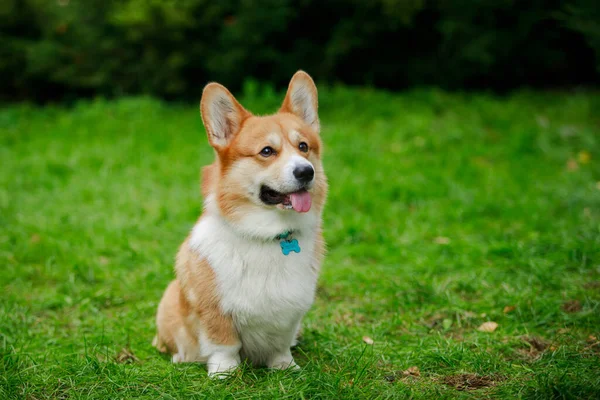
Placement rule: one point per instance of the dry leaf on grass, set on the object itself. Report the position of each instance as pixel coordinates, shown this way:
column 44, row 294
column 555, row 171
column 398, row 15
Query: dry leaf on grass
column 488, row 327
column 412, row 371
column 468, row 381
column 367, row 340
column 536, row 346
column 125, row 356
column 508, row 309
column 536, row 342
column 572, row 306
column 35, row 238
column 572, row 165
column 594, row 343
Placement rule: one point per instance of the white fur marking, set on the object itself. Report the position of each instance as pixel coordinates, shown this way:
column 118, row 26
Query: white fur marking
column 283, row 360
column 266, row 292
column 294, row 136
column 222, row 118
column 303, row 105
column 274, row 140
column 289, row 180
column 221, row 359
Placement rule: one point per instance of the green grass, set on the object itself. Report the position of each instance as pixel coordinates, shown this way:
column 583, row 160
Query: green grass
column 443, row 210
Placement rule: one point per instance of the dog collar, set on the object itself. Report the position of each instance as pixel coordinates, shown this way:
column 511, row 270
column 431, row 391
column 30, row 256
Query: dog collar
column 287, row 243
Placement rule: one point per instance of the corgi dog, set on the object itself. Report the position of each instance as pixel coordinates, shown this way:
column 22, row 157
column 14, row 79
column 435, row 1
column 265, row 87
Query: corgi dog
column 247, row 272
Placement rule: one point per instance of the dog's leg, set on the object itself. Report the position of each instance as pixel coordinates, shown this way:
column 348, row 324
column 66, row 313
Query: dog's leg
column 219, row 344
column 282, row 360
column 223, row 360
column 297, row 334
column 172, row 335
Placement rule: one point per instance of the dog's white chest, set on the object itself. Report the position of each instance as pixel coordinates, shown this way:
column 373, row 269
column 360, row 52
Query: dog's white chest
column 266, row 291
column 271, row 290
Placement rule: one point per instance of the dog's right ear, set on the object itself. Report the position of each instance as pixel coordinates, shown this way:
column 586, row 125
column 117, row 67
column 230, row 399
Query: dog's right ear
column 222, row 115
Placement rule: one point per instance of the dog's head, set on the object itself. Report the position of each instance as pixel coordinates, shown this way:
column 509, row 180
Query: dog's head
column 268, row 176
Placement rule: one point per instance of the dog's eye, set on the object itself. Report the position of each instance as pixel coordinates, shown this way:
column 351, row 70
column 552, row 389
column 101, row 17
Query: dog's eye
column 267, row 151
column 303, row 147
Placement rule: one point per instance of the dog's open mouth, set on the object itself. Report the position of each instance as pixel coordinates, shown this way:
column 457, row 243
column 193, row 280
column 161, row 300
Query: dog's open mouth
column 299, row 201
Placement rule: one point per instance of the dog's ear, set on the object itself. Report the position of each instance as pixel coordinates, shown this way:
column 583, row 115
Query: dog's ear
column 302, row 99
column 222, row 115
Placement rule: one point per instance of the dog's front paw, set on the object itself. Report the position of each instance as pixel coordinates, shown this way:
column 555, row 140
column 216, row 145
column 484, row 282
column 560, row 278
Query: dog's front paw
column 283, row 361
column 217, row 374
column 221, row 366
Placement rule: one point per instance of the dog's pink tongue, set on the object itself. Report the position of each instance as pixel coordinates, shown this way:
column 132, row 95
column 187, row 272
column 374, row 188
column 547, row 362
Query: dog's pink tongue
column 301, row 201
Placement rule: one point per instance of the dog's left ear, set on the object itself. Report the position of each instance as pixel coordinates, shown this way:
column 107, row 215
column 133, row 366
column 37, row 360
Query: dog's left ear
column 222, row 115
column 302, row 99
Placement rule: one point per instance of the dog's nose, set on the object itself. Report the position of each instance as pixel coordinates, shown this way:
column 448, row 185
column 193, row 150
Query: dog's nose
column 304, row 173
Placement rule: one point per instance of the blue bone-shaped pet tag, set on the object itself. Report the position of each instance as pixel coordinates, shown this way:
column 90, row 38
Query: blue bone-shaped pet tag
column 287, row 246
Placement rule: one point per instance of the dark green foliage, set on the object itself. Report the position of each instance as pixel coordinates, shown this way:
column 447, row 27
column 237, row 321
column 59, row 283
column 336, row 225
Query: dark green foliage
column 67, row 48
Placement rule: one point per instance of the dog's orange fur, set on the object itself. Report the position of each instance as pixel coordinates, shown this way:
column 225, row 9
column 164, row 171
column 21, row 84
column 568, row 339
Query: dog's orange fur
column 191, row 302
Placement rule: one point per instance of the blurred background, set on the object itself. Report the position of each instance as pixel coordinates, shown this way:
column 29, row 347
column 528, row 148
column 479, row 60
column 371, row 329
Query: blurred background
column 64, row 49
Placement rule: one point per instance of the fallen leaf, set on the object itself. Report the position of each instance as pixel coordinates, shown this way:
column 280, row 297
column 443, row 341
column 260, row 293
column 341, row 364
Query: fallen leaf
column 508, row 309
column 572, row 165
column 572, row 306
column 536, row 343
column 594, row 344
column 468, row 381
column 35, row 238
column 441, row 240
column 488, row 327
column 125, row 356
column 412, row 371
column 367, row 340
column 584, row 157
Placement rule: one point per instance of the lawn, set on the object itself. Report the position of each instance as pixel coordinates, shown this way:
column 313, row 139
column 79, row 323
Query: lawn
column 446, row 211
